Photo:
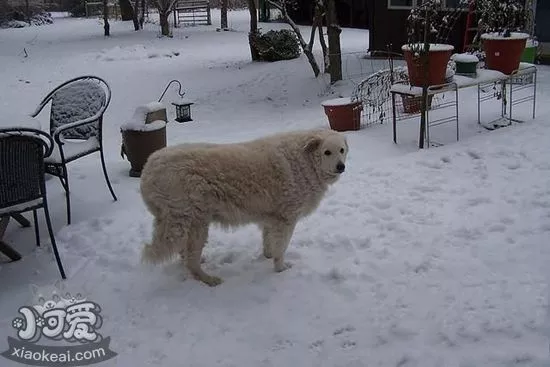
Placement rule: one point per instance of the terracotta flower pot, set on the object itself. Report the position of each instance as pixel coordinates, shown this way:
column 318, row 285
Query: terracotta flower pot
column 343, row 114
column 503, row 53
column 438, row 58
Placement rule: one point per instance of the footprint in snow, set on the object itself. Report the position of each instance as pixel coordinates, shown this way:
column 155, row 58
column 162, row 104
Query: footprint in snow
column 282, row 344
column 342, row 330
column 474, row 155
column 497, row 228
column 317, row 345
column 512, row 166
column 348, row 344
column 382, row 205
column 432, row 165
column 478, row 201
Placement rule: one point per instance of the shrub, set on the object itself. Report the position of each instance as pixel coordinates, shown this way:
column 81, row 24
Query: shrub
column 277, row 45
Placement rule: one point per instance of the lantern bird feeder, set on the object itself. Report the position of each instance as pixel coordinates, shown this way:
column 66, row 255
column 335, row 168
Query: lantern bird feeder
column 183, row 107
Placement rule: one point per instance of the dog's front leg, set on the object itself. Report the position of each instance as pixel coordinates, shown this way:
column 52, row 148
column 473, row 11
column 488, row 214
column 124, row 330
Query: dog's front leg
column 279, row 237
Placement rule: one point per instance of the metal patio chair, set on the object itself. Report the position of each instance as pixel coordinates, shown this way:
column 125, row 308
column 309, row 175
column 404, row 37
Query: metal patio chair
column 76, row 125
column 22, row 182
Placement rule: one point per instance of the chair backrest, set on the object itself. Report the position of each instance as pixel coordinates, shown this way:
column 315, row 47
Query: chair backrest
column 82, row 98
column 77, row 100
column 22, row 153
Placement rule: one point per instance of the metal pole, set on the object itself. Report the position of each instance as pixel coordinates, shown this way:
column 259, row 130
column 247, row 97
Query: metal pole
column 534, row 92
column 456, row 99
column 394, row 118
column 511, row 101
column 179, row 92
column 478, row 104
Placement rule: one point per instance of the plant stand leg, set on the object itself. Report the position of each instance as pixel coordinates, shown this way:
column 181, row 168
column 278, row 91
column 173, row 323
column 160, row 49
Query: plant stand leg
column 394, row 122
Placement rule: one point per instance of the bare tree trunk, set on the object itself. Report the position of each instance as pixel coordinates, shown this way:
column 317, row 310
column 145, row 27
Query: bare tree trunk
column 320, row 12
column 164, row 24
column 307, row 48
column 106, row 26
column 164, row 7
column 27, row 11
column 224, row 15
column 333, row 33
column 254, row 54
column 136, row 20
column 126, row 10
column 142, row 18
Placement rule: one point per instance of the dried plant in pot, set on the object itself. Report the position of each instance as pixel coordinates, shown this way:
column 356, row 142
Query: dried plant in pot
column 502, row 23
column 426, row 52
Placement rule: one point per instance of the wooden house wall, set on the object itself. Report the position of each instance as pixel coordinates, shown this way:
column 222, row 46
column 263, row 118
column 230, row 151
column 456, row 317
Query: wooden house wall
column 389, row 27
column 350, row 13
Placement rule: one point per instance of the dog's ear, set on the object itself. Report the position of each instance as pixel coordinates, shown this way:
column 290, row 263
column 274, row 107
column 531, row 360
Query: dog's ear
column 312, row 144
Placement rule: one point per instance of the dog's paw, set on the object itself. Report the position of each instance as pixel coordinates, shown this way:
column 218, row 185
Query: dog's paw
column 268, row 254
column 282, row 266
column 211, row 280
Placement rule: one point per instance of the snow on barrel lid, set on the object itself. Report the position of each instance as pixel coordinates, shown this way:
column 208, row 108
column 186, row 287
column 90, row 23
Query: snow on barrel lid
column 142, row 126
column 464, row 57
column 337, row 102
column 433, row 47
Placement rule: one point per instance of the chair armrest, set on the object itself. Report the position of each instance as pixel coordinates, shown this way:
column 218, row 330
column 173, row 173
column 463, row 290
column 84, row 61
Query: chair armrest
column 59, row 131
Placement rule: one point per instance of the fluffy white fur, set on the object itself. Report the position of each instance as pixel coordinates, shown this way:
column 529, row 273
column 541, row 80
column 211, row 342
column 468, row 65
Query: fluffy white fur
column 272, row 182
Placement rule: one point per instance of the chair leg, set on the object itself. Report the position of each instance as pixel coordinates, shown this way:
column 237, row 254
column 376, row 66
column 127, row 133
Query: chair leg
column 52, row 239
column 36, row 229
column 64, row 178
column 105, row 174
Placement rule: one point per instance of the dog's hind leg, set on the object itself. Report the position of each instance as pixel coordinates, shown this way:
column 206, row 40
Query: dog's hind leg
column 267, row 246
column 168, row 234
column 198, row 235
column 279, row 237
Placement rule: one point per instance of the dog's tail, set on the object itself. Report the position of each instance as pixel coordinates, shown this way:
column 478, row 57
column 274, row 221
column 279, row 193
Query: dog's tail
column 169, row 239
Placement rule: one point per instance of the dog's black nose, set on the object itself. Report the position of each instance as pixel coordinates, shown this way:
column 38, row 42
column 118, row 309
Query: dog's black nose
column 340, row 167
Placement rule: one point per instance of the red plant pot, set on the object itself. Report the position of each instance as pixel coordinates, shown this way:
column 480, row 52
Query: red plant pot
column 438, row 59
column 503, row 53
column 343, row 114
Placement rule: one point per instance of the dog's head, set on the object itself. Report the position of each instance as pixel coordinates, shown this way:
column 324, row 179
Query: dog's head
column 329, row 150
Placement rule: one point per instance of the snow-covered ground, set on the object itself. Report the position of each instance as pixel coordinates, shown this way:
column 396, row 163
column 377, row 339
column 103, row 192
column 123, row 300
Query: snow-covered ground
column 415, row 258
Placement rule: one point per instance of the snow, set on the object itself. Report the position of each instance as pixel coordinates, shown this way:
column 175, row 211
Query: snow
column 434, row 47
column 498, row 36
column 137, row 122
column 72, row 148
column 153, row 107
column 337, row 102
column 482, row 76
column 141, row 126
column 140, row 114
column 531, row 43
column 433, row 258
column 465, row 58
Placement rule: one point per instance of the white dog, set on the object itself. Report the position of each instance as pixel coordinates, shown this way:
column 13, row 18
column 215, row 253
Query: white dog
column 272, row 182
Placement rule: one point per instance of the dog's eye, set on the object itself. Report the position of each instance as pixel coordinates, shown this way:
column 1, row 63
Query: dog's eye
column 342, row 150
column 328, row 152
